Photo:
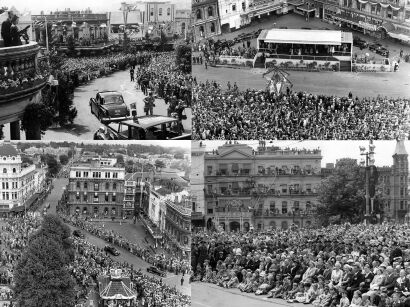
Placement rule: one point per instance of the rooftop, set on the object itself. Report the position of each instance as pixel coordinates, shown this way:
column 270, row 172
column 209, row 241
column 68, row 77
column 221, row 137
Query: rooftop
column 6, row 150
column 302, row 36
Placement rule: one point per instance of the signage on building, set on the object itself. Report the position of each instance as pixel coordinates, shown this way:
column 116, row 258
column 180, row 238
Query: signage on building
column 367, row 26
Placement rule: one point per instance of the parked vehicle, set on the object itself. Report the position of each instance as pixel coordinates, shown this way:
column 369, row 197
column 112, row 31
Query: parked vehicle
column 148, row 127
column 109, row 106
column 379, row 49
column 361, row 43
column 156, row 271
column 112, row 250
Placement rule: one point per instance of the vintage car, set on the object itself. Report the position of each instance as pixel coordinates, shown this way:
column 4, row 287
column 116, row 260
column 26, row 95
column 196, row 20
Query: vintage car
column 112, row 250
column 378, row 48
column 156, row 271
column 109, row 106
column 148, row 127
column 361, row 43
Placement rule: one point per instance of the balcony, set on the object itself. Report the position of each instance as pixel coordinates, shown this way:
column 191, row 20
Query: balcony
column 22, row 76
column 236, row 214
column 277, row 213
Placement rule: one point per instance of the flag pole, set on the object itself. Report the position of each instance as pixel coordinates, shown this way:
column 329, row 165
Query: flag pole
column 45, row 24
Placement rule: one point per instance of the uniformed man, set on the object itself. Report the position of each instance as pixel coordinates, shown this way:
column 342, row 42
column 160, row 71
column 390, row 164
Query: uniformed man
column 149, row 104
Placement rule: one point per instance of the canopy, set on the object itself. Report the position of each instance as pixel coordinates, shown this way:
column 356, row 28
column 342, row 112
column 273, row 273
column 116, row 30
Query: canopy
column 298, row 36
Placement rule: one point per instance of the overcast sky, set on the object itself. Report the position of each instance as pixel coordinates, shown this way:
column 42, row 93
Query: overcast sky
column 333, row 150
column 97, row 6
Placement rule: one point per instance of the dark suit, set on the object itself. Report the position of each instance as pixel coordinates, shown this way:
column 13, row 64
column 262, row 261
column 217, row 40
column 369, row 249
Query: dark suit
column 5, row 32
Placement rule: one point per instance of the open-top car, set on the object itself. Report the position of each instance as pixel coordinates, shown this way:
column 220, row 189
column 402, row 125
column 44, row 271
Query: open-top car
column 112, row 250
column 156, row 271
column 109, row 106
column 148, row 127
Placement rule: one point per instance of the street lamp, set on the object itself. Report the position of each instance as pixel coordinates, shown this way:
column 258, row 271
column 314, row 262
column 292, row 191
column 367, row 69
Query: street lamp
column 368, row 163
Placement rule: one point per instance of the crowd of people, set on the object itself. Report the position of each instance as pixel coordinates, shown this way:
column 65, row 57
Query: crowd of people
column 262, row 114
column 165, row 262
column 91, row 262
column 162, row 77
column 339, row 265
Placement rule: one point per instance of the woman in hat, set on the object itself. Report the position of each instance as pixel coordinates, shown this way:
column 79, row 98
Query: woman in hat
column 14, row 31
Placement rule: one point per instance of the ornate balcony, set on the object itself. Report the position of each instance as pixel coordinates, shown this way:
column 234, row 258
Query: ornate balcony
column 22, row 75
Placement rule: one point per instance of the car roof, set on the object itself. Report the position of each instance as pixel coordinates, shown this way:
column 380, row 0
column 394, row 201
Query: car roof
column 109, row 93
column 149, row 121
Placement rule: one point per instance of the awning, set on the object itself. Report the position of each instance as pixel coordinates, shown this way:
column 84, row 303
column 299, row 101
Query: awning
column 399, row 36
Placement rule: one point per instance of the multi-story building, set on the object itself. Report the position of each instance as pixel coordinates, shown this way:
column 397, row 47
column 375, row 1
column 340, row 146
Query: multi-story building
column 205, row 16
column 197, row 184
column 376, row 18
column 178, row 223
column 182, row 21
column 96, row 188
column 136, row 192
column 262, row 188
column 19, row 185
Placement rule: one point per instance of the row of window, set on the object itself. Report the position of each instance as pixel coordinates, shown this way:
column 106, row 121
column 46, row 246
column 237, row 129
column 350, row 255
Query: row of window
column 245, row 169
column 235, row 188
column 14, row 170
column 96, row 185
column 160, row 12
column 8, row 196
column 96, row 198
column 5, row 185
column 79, row 174
column 96, row 210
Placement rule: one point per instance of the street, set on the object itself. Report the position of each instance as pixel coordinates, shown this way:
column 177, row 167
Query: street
column 135, row 233
column 210, row 295
column 85, row 124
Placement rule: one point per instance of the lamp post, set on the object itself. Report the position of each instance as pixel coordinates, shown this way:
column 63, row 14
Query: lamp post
column 368, row 162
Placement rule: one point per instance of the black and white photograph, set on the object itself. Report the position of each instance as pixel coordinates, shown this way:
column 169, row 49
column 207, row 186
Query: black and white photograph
column 293, row 223
column 300, row 69
column 96, row 224
column 95, row 70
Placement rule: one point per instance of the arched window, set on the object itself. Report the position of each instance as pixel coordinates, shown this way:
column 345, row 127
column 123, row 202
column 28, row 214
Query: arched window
column 14, row 170
column 168, row 11
column 210, row 11
column 213, row 27
column 4, row 170
column 152, row 12
column 160, row 11
column 198, row 14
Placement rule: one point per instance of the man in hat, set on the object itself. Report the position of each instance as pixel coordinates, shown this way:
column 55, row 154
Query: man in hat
column 5, row 29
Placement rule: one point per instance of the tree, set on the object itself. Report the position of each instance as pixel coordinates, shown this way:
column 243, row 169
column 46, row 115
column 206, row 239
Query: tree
column 66, row 109
column 42, row 276
column 183, row 58
column 159, row 164
column 342, row 194
column 37, row 118
column 26, row 160
column 70, row 44
column 120, row 158
column 63, row 159
column 52, row 164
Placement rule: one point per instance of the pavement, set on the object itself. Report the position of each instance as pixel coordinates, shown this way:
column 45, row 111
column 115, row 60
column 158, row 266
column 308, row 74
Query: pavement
column 391, row 84
column 210, row 295
column 85, row 124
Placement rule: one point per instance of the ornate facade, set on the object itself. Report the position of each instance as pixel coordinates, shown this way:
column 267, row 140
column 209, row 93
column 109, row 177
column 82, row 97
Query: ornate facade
column 206, row 21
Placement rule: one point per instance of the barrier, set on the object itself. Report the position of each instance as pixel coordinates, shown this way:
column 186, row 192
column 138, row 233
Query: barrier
column 368, row 67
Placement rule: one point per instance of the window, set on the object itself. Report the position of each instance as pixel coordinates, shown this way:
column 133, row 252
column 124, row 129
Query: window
column 152, row 12
column 78, row 184
column 209, row 170
column 106, row 197
column 210, row 11
column 78, row 174
column 107, row 185
column 234, row 7
column 4, row 171
column 210, row 211
column 85, row 174
column 243, row 6
column 284, row 207
column 107, row 175
column 85, row 196
column 296, row 206
column 77, row 196
column 96, row 187
column 160, row 11
column 198, row 14
column 115, row 175
column 114, row 186
column 85, row 185
column 95, row 199
column 401, row 205
column 14, row 170
column 168, row 11
column 114, row 197
column 308, row 188
column 210, row 188
column 283, row 188
column 401, row 192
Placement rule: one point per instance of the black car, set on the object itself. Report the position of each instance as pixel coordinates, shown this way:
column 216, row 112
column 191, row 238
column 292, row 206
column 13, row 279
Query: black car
column 156, row 271
column 78, row 234
column 361, row 43
column 112, row 250
column 379, row 49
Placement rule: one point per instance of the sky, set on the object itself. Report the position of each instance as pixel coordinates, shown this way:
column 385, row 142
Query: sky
column 332, row 150
column 97, row 6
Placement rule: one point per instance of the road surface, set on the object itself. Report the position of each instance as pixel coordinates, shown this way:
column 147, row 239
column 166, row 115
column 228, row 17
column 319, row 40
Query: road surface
column 85, row 124
column 210, row 295
column 55, row 195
